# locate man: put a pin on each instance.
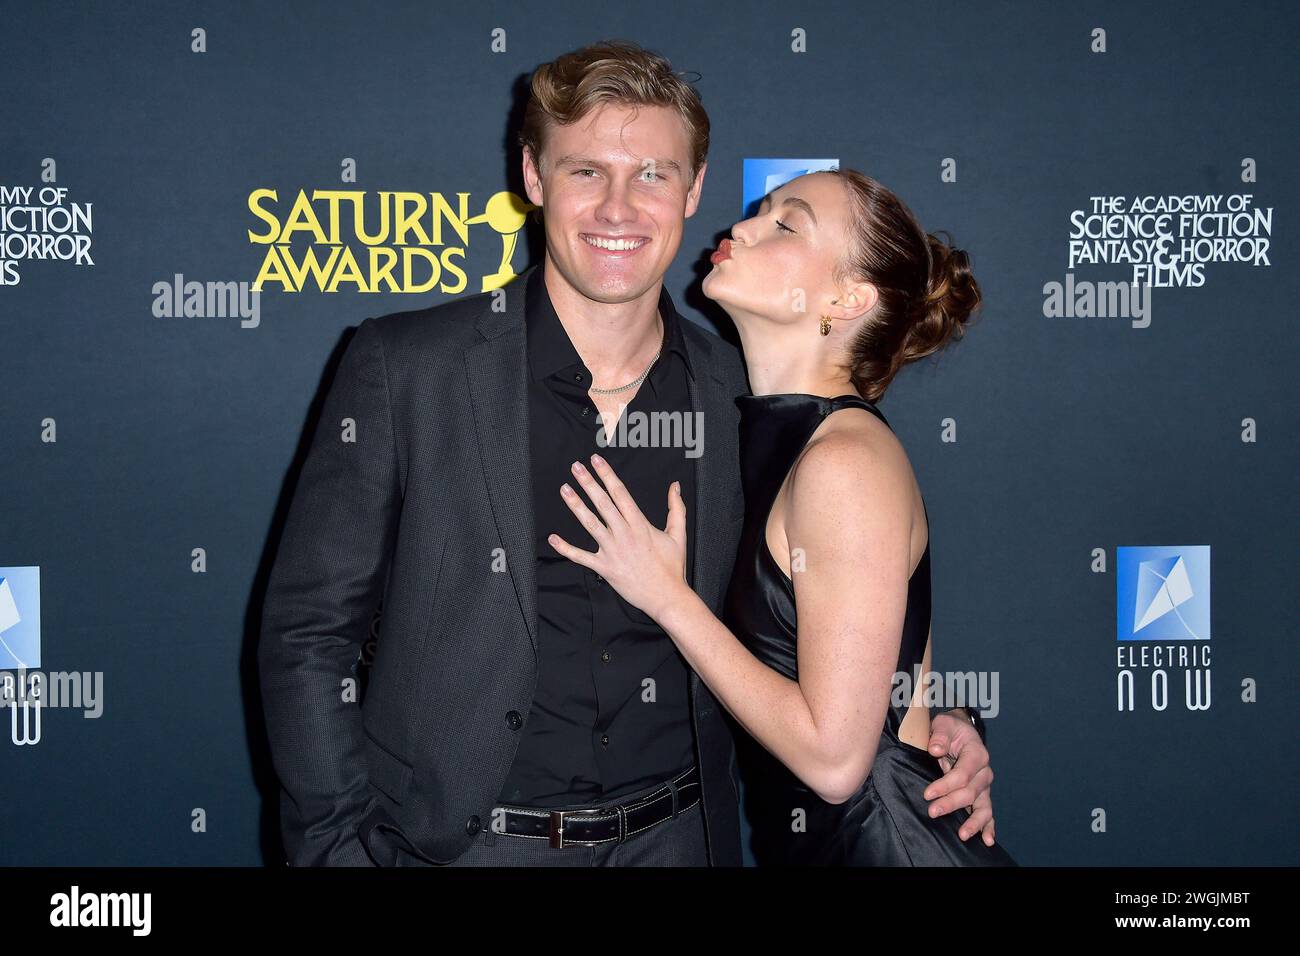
(519, 712)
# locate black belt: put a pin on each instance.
(613, 823)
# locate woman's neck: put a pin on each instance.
(778, 364)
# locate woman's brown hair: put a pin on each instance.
(927, 291)
(612, 71)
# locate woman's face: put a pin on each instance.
(779, 264)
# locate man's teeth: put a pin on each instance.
(614, 245)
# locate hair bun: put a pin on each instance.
(950, 298)
(926, 291)
(952, 287)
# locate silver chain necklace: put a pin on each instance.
(632, 384)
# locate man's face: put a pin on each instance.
(615, 189)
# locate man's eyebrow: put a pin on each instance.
(572, 160)
(789, 201)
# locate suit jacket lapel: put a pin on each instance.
(714, 477)
(709, 515)
(498, 385)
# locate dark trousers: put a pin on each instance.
(676, 841)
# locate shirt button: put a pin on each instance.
(513, 720)
(604, 740)
(584, 410)
(577, 376)
(599, 579)
(472, 825)
(604, 656)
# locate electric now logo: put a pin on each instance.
(103, 909)
(1163, 594)
(760, 176)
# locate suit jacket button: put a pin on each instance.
(513, 720)
(472, 825)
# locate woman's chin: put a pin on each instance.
(717, 291)
(712, 290)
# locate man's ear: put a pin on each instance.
(693, 197)
(532, 178)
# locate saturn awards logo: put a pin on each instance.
(329, 240)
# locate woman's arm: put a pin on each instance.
(850, 512)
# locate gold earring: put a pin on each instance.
(826, 325)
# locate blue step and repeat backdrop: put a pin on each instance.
(1109, 455)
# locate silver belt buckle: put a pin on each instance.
(557, 829)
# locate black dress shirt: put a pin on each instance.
(611, 711)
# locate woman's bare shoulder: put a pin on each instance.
(852, 447)
(853, 483)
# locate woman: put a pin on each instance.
(833, 287)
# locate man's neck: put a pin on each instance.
(616, 340)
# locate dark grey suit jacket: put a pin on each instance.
(414, 511)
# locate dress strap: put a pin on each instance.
(850, 401)
(856, 401)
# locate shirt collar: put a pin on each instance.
(549, 347)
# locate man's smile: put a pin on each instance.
(614, 246)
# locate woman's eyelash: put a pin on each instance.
(781, 225)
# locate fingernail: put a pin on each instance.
(597, 460)
(565, 489)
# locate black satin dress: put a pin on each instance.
(886, 822)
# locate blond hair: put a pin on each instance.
(612, 71)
